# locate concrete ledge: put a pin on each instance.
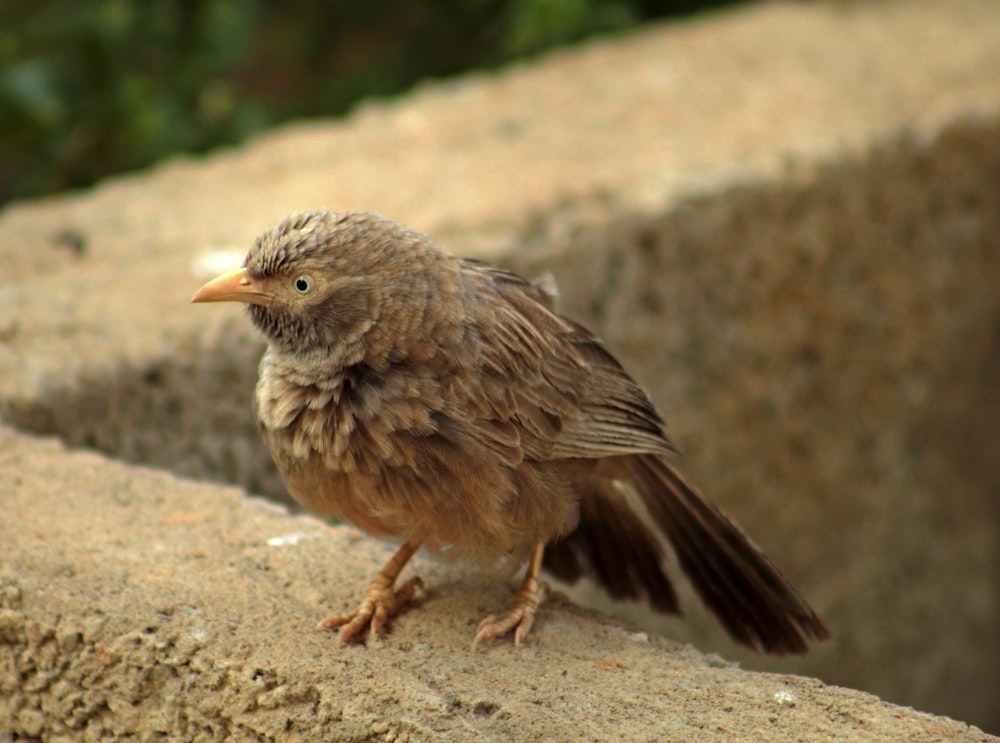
(783, 219)
(195, 622)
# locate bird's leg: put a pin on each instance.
(381, 601)
(522, 612)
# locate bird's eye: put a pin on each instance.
(303, 284)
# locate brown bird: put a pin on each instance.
(446, 403)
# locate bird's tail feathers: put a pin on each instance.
(614, 546)
(749, 595)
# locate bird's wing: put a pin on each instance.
(551, 378)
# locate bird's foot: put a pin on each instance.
(380, 603)
(519, 618)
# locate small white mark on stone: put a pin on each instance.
(288, 539)
(784, 696)
(638, 637)
(209, 263)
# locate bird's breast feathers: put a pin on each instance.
(348, 422)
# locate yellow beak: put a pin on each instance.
(233, 286)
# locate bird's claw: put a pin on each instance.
(380, 603)
(519, 617)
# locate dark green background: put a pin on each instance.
(93, 87)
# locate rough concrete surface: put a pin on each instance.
(784, 221)
(195, 623)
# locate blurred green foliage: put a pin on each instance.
(92, 87)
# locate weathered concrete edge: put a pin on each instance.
(106, 633)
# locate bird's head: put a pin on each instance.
(321, 281)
